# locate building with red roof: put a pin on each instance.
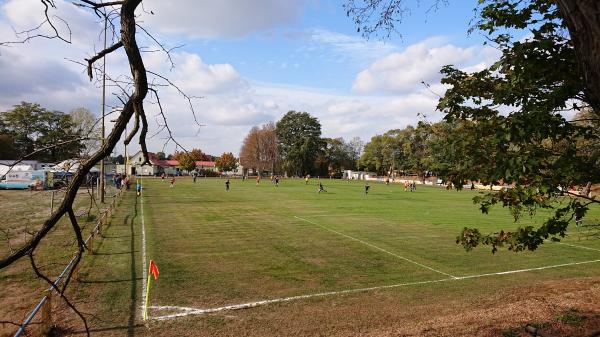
(158, 166)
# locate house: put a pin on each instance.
(358, 175)
(237, 171)
(158, 166)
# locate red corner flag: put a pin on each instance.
(153, 269)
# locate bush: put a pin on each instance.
(208, 173)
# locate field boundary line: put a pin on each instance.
(577, 246)
(188, 311)
(144, 275)
(516, 271)
(378, 248)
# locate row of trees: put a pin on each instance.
(406, 150)
(294, 145)
(187, 159)
(50, 136)
(194, 153)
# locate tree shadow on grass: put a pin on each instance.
(133, 281)
(107, 281)
(117, 253)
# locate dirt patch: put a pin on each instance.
(563, 308)
(544, 305)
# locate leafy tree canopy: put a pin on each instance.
(299, 137)
(186, 161)
(512, 124)
(506, 124)
(45, 135)
(226, 162)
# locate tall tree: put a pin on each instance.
(198, 155)
(378, 154)
(7, 149)
(269, 147)
(186, 161)
(85, 123)
(299, 136)
(250, 150)
(356, 145)
(338, 155)
(227, 162)
(50, 135)
(259, 149)
(122, 17)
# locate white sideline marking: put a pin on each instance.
(577, 246)
(144, 275)
(378, 248)
(187, 311)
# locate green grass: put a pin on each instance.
(260, 242)
(217, 248)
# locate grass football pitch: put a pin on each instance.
(345, 261)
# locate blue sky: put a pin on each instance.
(251, 62)
(288, 54)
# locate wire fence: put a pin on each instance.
(45, 304)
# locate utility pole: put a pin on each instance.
(102, 173)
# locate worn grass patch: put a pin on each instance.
(216, 248)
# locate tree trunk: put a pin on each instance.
(582, 18)
(135, 102)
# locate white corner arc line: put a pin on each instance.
(187, 311)
(144, 275)
(378, 248)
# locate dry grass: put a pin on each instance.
(216, 248)
(23, 212)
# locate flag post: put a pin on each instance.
(146, 302)
(152, 271)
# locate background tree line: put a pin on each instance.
(31, 130)
(294, 146)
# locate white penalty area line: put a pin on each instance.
(378, 248)
(187, 311)
(144, 271)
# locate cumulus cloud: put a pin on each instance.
(73, 23)
(402, 72)
(213, 19)
(200, 78)
(231, 103)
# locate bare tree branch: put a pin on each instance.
(100, 55)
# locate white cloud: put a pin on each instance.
(232, 104)
(402, 72)
(225, 18)
(201, 78)
(351, 47)
(340, 48)
(72, 22)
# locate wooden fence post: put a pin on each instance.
(47, 314)
(52, 203)
(90, 245)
